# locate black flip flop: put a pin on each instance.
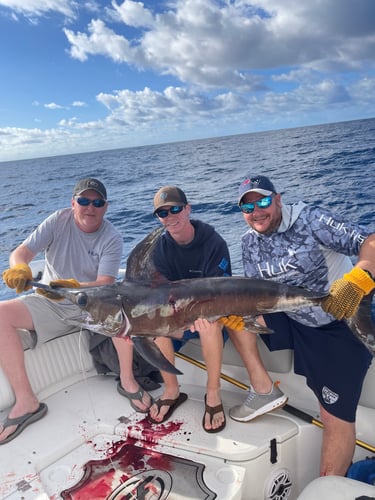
(23, 421)
(172, 403)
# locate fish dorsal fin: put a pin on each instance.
(140, 263)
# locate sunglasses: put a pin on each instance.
(164, 212)
(248, 208)
(85, 202)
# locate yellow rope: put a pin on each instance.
(240, 385)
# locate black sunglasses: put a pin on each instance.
(85, 202)
(164, 212)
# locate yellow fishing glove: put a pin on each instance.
(236, 323)
(17, 277)
(69, 283)
(346, 293)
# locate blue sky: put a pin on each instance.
(81, 76)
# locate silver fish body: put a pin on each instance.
(138, 308)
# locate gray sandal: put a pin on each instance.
(23, 421)
(134, 396)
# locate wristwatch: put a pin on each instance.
(368, 272)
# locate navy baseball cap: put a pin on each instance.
(256, 184)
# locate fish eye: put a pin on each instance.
(82, 299)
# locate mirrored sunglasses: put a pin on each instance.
(85, 202)
(164, 212)
(248, 208)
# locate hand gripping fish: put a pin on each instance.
(146, 305)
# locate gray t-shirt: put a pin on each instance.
(72, 253)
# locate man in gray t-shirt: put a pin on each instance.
(81, 248)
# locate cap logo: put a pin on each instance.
(163, 196)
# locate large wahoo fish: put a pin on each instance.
(145, 305)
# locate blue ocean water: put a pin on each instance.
(329, 165)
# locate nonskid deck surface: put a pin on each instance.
(90, 422)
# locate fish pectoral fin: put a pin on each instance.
(252, 326)
(151, 353)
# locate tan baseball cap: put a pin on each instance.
(169, 195)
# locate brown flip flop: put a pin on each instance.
(172, 403)
(212, 410)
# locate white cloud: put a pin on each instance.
(100, 41)
(216, 45)
(15, 136)
(134, 14)
(53, 105)
(35, 8)
(68, 123)
(174, 104)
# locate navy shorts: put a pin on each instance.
(331, 358)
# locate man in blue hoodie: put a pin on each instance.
(190, 249)
(308, 247)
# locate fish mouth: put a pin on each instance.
(106, 318)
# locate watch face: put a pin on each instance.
(368, 272)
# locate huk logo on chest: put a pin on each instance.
(282, 267)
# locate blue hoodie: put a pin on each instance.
(206, 256)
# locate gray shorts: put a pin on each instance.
(52, 319)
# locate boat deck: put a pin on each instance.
(93, 446)
(90, 422)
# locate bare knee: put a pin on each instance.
(14, 314)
